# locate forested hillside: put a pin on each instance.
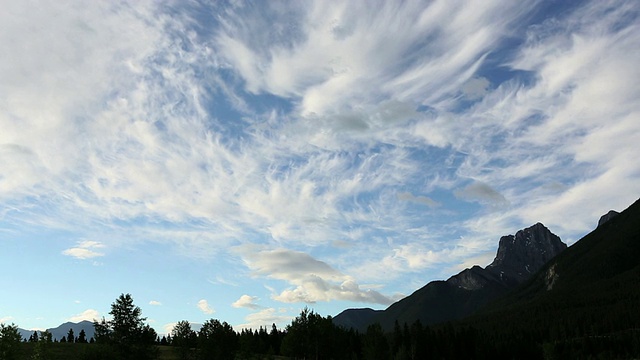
(585, 301)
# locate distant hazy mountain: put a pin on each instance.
(519, 256)
(25, 333)
(63, 330)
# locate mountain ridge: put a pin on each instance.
(518, 257)
(581, 304)
(63, 329)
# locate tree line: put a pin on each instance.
(312, 336)
(70, 338)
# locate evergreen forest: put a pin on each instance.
(312, 336)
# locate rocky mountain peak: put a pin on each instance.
(519, 257)
(608, 216)
(524, 253)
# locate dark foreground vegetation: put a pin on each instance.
(311, 336)
(584, 304)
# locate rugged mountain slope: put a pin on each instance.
(518, 257)
(608, 216)
(600, 271)
(355, 318)
(583, 303)
(521, 255)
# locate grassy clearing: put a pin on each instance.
(65, 351)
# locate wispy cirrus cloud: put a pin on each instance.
(316, 126)
(547, 158)
(140, 149)
(298, 65)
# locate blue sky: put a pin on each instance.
(240, 161)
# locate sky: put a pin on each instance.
(242, 160)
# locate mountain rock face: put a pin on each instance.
(608, 216)
(471, 279)
(525, 253)
(517, 259)
(519, 256)
(593, 285)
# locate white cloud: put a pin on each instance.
(363, 56)
(246, 301)
(203, 305)
(50, 83)
(169, 327)
(155, 303)
(5, 319)
(414, 257)
(85, 250)
(265, 318)
(565, 145)
(87, 315)
(313, 280)
(311, 179)
(81, 253)
(102, 129)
